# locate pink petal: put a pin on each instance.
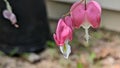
(68, 21)
(10, 16)
(13, 19)
(98, 6)
(93, 13)
(77, 14)
(59, 29)
(7, 14)
(75, 5)
(57, 41)
(63, 32)
(70, 35)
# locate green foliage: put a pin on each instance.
(13, 52)
(2, 53)
(92, 57)
(25, 55)
(79, 65)
(51, 44)
(98, 35)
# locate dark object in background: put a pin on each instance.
(33, 31)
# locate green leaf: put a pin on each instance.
(14, 51)
(25, 55)
(92, 56)
(98, 35)
(79, 65)
(2, 53)
(51, 44)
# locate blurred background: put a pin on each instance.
(110, 16)
(103, 50)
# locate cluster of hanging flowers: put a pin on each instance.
(82, 14)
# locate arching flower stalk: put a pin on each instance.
(86, 15)
(63, 35)
(8, 14)
(81, 14)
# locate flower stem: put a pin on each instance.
(8, 5)
(68, 13)
(85, 5)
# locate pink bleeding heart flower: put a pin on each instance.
(77, 13)
(86, 15)
(63, 31)
(10, 16)
(63, 35)
(92, 14)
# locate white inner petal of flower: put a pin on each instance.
(86, 25)
(66, 50)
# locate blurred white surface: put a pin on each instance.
(107, 4)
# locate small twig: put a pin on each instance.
(66, 14)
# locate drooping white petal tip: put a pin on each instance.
(86, 26)
(65, 50)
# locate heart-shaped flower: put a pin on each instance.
(91, 12)
(86, 15)
(63, 35)
(63, 31)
